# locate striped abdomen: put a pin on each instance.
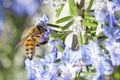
(30, 47)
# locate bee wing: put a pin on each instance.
(22, 41)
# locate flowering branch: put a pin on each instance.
(79, 50)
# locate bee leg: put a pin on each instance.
(42, 43)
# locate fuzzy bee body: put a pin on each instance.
(33, 39)
(30, 47)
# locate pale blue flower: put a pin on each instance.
(34, 69)
(101, 11)
(69, 61)
(66, 77)
(25, 7)
(104, 11)
(90, 52)
(98, 77)
(113, 43)
(114, 51)
(101, 15)
(111, 8)
(92, 55)
(54, 48)
(112, 33)
(54, 45)
(49, 58)
(106, 31)
(117, 3)
(45, 69)
(54, 42)
(102, 67)
(51, 68)
(85, 55)
(115, 33)
(43, 22)
(50, 73)
(112, 18)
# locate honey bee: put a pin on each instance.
(32, 39)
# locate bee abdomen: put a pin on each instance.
(30, 48)
(29, 45)
(30, 53)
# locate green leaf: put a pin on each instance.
(59, 10)
(55, 34)
(90, 18)
(89, 6)
(65, 34)
(92, 73)
(53, 25)
(64, 19)
(91, 24)
(73, 8)
(60, 47)
(92, 32)
(61, 35)
(67, 25)
(39, 56)
(80, 40)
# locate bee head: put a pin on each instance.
(41, 28)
